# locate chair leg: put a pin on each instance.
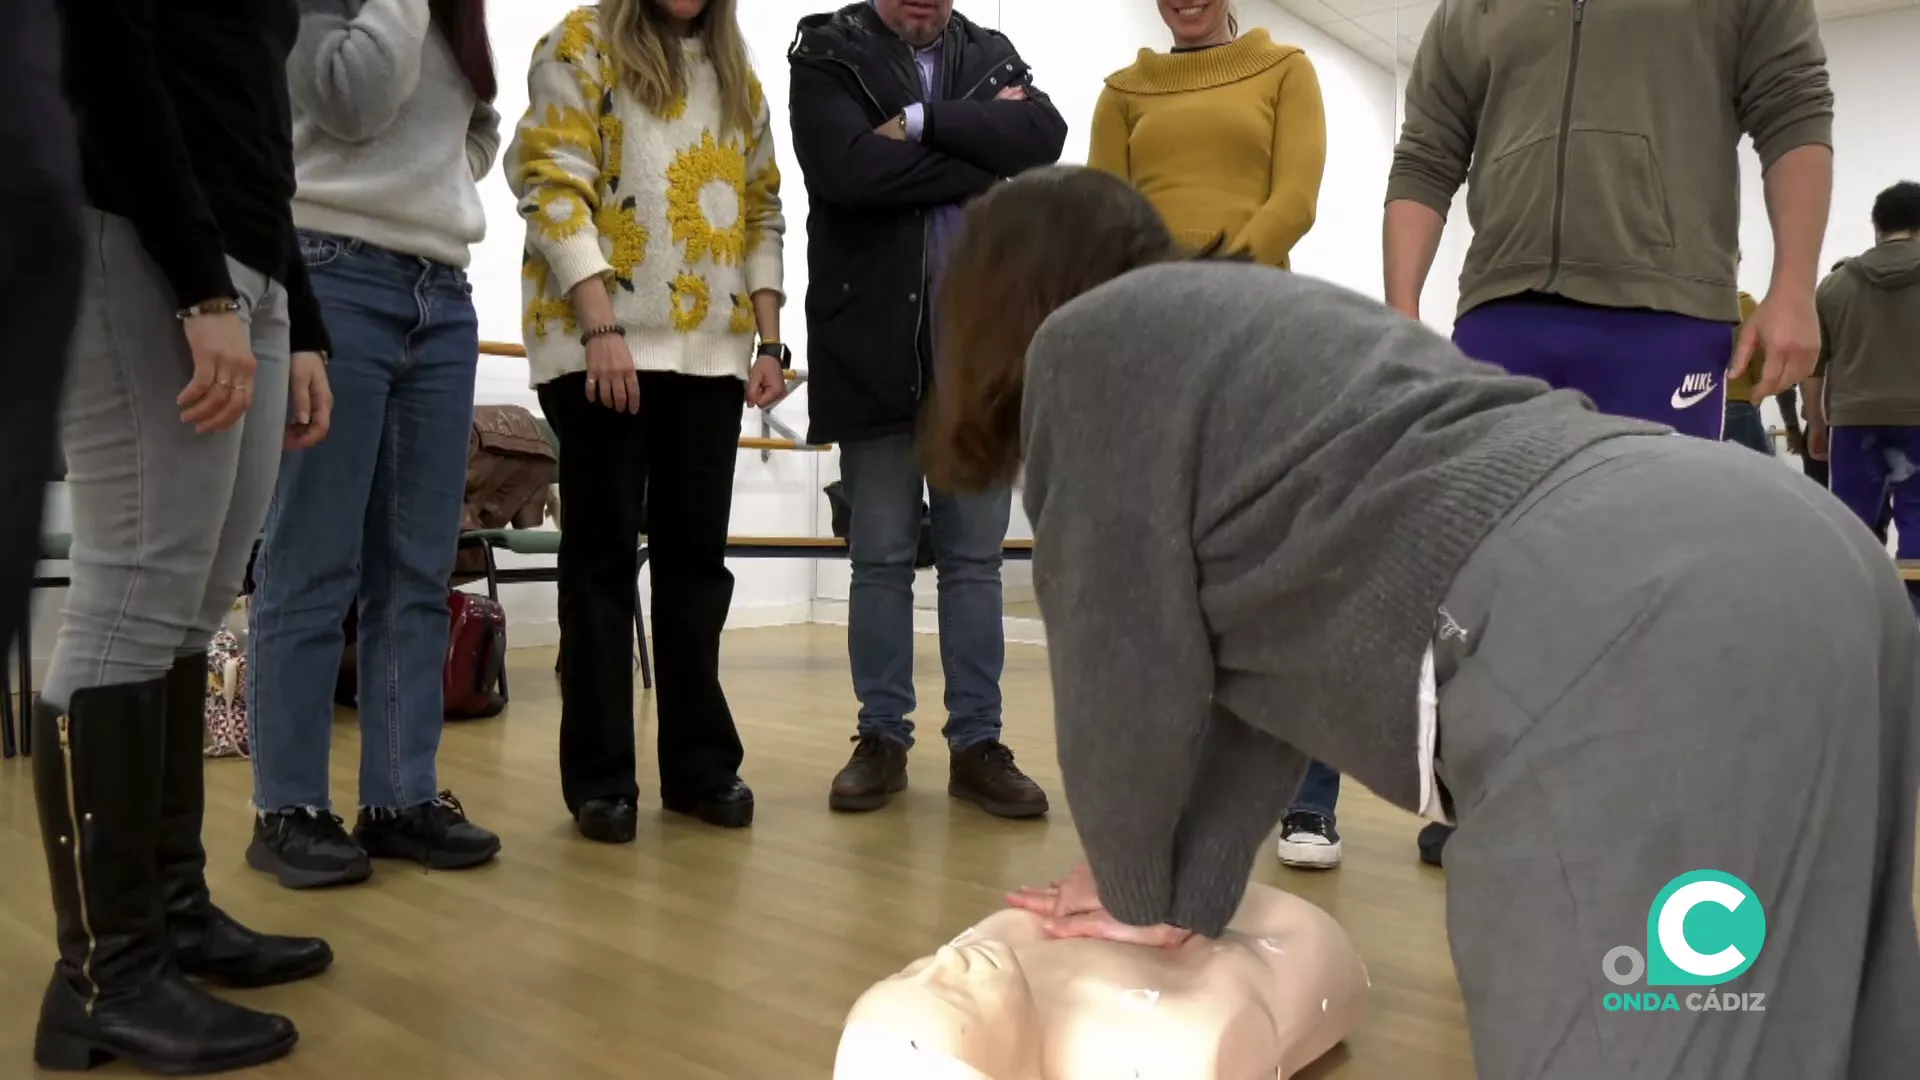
(7, 747)
(640, 623)
(493, 594)
(25, 645)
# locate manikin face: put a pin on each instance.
(968, 1004)
(1195, 22)
(918, 22)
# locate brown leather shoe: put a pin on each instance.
(873, 775)
(984, 774)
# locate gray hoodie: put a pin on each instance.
(1870, 337)
(1250, 491)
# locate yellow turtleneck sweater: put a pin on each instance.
(1228, 142)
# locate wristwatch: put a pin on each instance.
(778, 352)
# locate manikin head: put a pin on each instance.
(964, 1013)
(919, 23)
(1001, 1002)
(1199, 22)
(1896, 213)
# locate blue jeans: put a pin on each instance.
(1319, 790)
(371, 514)
(884, 485)
(1745, 426)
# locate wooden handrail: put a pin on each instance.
(519, 352)
(756, 443)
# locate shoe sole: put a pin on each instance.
(430, 857)
(865, 801)
(727, 816)
(61, 1052)
(1011, 811)
(624, 832)
(1309, 856)
(263, 859)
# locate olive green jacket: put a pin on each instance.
(1599, 141)
(1869, 326)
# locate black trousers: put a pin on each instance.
(39, 283)
(676, 458)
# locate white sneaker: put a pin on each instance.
(1309, 841)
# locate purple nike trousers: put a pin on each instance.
(1650, 365)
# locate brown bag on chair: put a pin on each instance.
(509, 470)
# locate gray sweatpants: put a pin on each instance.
(1679, 655)
(163, 519)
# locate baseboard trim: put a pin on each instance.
(1019, 631)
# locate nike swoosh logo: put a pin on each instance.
(1682, 401)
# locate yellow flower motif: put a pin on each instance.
(558, 211)
(691, 301)
(762, 190)
(708, 162)
(756, 97)
(613, 143)
(619, 224)
(674, 109)
(543, 308)
(743, 322)
(579, 35)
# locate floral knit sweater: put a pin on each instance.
(679, 213)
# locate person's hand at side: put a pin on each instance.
(1011, 93)
(1818, 447)
(309, 401)
(766, 383)
(1786, 331)
(611, 379)
(221, 390)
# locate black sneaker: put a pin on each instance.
(1433, 842)
(306, 849)
(437, 835)
(1308, 841)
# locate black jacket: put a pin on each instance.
(869, 343)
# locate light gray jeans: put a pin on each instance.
(163, 519)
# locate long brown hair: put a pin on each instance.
(464, 24)
(1026, 248)
(638, 40)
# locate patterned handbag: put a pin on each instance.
(226, 697)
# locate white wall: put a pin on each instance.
(1876, 78)
(1876, 81)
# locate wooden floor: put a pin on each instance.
(698, 954)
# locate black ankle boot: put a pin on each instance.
(207, 942)
(116, 991)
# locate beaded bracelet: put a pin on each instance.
(223, 306)
(602, 331)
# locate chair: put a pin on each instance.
(546, 542)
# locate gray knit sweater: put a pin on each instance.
(1250, 491)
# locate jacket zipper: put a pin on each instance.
(79, 866)
(1560, 151)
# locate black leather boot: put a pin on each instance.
(207, 942)
(116, 990)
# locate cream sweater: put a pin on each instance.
(680, 216)
(388, 138)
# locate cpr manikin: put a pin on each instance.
(1280, 988)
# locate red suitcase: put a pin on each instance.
(476, 656)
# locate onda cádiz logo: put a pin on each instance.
(1705, 929)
